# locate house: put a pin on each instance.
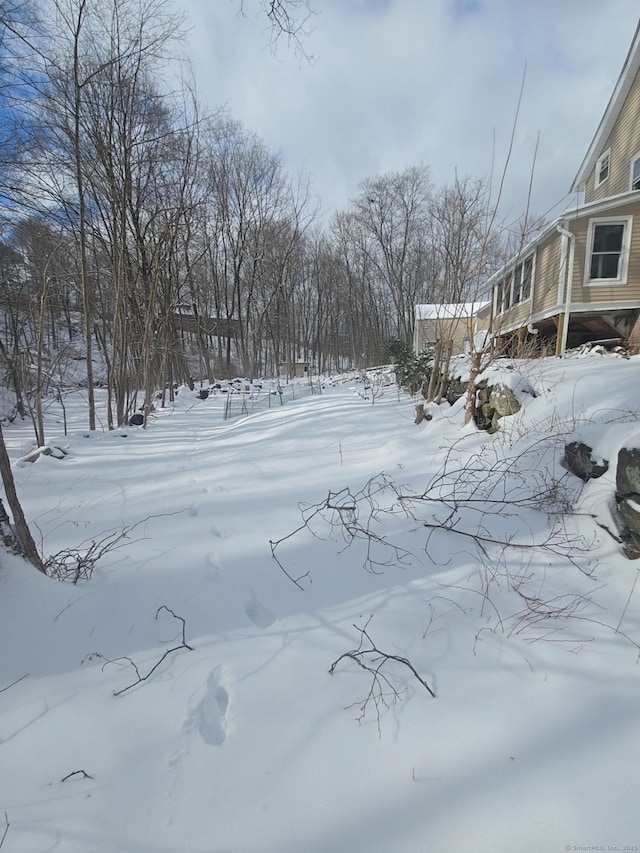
(294, 369)
(455, 322)
(578, 281)
(187, 319)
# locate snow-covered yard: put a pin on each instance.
(244, 742)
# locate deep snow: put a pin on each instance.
(246, 743)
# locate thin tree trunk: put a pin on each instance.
(27, 547)
(84, 266)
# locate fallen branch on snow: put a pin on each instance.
(6, 829)
(13, 683)
(76, 773)
(372, 660)
(140, 678)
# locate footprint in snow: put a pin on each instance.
(260, 615)
(210, 715)
(213, 567)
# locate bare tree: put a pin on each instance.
(463, 256)
(482, 354)
(256, 222)
(19, 33)
(102, 112)
(367, 313)
(390, 215)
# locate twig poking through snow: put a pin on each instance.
(13, 683)
(76, 773)
(141, 678)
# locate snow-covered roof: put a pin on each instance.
(450, 311)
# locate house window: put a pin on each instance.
(602, 167)
(507, 292)
(608, 250)
(635, 173)
(516, 286)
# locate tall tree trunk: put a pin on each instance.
(84, 266)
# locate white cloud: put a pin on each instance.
(394, 83)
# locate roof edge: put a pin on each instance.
(612, 111)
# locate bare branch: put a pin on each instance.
(372, 660)
(353, 516)
(75, 564)
(288, 18)
(82, 773)
(180, 618)
(628, 601)
(17, 681)
(140, 678)
(273, 546)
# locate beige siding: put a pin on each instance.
(586, 294)
(624, 141)
(484, 316)
(547, 272)
(444, 329)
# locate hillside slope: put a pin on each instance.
(466, 564)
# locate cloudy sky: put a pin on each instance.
(397, 83)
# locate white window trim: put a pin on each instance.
(623, 268)
(510, 272)
(604, 154)
(508, 289)
(634, 160)
(534, 264)
(531, 255)
(498, 297)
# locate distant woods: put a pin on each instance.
(154, 243)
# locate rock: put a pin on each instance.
(628, 472)
(628, 499)
(456, 389)
(483, 392)
(421, 415)
(579, 460)
(53, 450)
(492, 403)
(504, 401)
(629, 510)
